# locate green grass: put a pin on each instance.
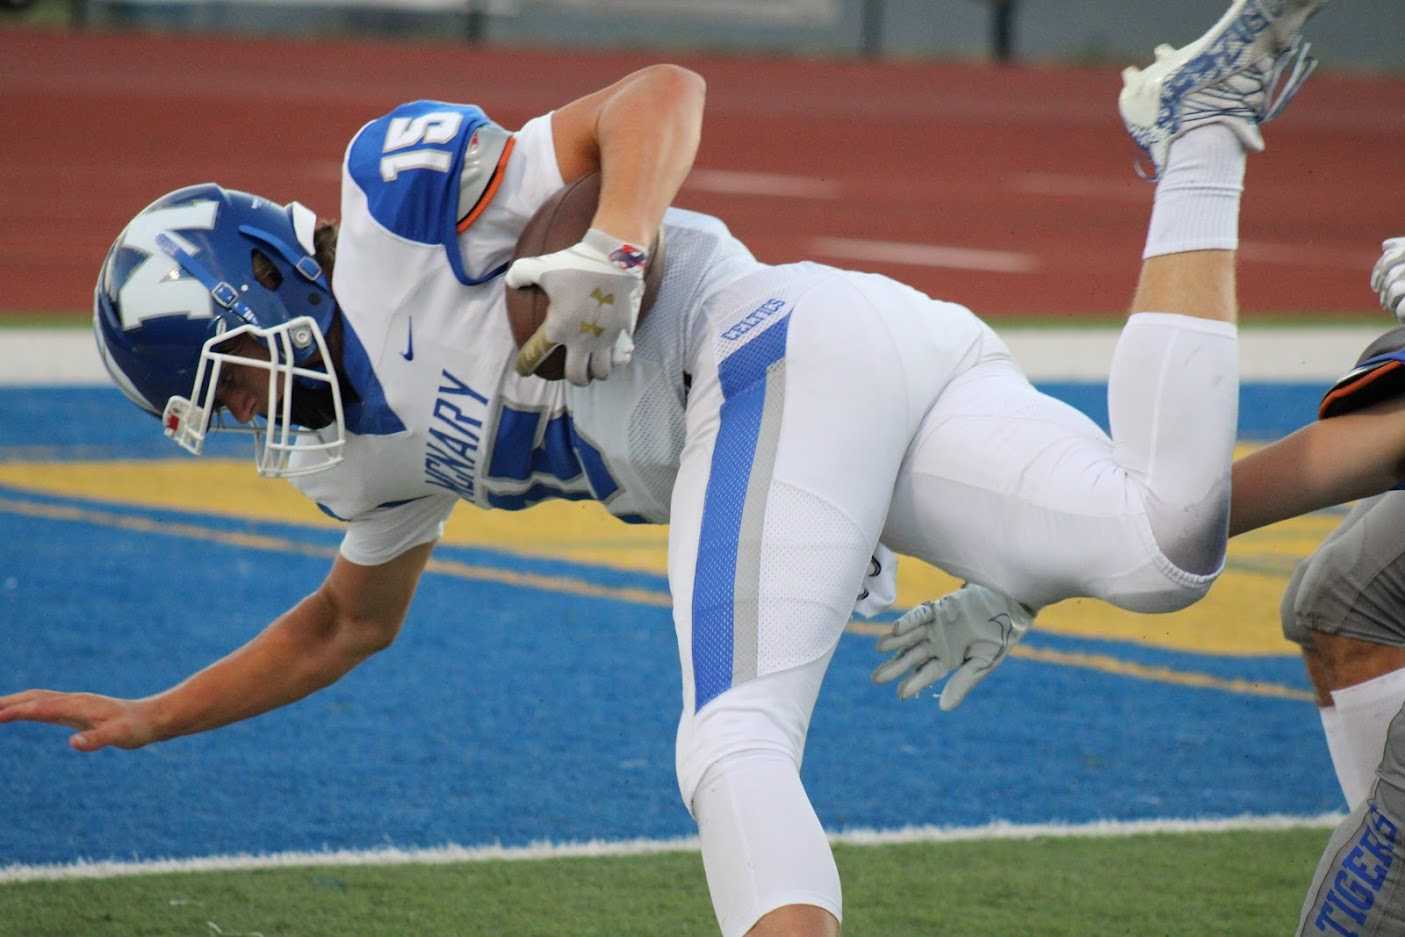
(1237, 884)
(43, 14)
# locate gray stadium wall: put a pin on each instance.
(1351, 34)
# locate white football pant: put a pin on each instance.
(829, 409)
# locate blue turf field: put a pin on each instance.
(510, 715)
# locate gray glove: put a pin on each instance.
(970, 631)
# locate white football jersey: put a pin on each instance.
(434, 196)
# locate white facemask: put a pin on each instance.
(281, 448)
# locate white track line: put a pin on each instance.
(1088, 187)
(728, 182)
(926, 255)
(1306, 255)
(998, 830)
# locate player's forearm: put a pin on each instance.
(302, 651)
(1325, 463)
(648, 134)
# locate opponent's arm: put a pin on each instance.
(1328, 462)
(641, 133)
(1348, 456)
(356, 611)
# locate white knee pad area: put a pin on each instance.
(762, 845)
(1173, 403)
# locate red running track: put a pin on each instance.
(1029, 163)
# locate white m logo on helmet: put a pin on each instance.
(158, 287)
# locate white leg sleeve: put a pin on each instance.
(1363, 715)
(762, 845)
(1355, 784)
(1013, 489)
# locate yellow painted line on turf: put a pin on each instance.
(64, 512)
(576, 531)
(580, 587)
(562, 584)
(1239, 616)
(1106, 663)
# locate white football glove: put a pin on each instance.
(1388, 277)
(594, 289)
(970, 631)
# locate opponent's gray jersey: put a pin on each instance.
(440, 414)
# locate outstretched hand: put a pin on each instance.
(100, 720)
(970, 631)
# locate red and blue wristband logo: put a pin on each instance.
(627, 257)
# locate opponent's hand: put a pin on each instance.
(100, 720)
(970, 631)
(594, 289)
(1388, 277)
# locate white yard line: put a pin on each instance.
(440, 855)
(729, 182)
(1266, 354)
(68, 357)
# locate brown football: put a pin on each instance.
(561, 221)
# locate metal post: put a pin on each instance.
(871, 28)
(475, 25)
(1002, 18)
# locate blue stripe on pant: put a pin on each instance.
(745, 408)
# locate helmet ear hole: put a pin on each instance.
(264, 270)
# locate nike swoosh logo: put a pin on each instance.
(409, 353)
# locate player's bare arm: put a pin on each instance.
(641, 133)
(1328, 462)
(356, 612)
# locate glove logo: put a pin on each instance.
(591, 328)
(1007, 632)
(602, 298)
(627, 257)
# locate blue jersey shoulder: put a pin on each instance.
(408, 163)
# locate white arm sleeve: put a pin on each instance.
(385, 533)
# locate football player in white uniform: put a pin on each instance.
(783, 419)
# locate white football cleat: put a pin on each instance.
(1241, 73)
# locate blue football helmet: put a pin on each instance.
(179, 285)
